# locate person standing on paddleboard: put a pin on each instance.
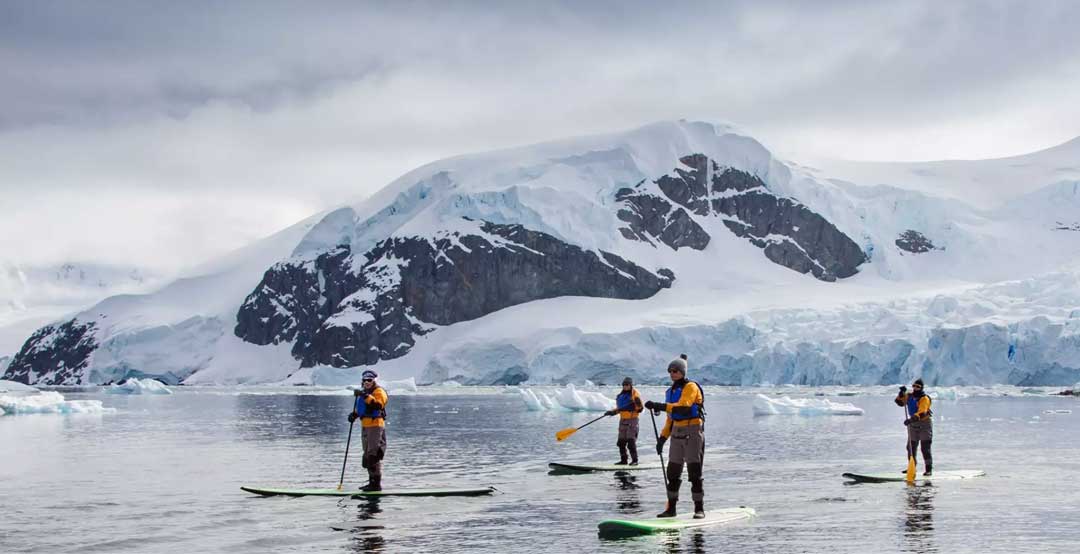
(370, 408)
(920, 429)
(628, 406)
(685, 407)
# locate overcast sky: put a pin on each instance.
(164, 133)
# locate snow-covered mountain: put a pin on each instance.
(596, 257)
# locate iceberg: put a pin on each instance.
(536, 401)
(765, 406)
(138, 386)
(583, 401)
(49, 402)
(569, 399)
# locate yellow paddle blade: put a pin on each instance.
(561, 435)
(911, 469)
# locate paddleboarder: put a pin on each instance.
(684, 403)
(920, 429)
(628, 406)
(369, 407)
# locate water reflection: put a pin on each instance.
(627, 499)
(674, 543)
(366, 535)
(366, 541)
(918, 531)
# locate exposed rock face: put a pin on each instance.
(652, 218)
(344, 310)
(55, 355)
(914, 242)
(789, 233)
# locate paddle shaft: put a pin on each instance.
(663, 466)
(348, 441)
(589, 423)
(909, 476)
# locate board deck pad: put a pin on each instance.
(945, 475)
(587, 467)
(364, 494)
(622, 527)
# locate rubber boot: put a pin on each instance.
(672, 498)
(374, 484)
(632, 446)
(622, 454)
(699, 509)
(929, 470)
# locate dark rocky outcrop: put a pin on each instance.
(650, 218)
(55, 354)
(345, 311)
(789, 233)
(914, 242)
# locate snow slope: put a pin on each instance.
(985, 184)
(994, 297)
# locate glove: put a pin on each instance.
(610, 412)
(656, 406)
(903, 389)
(660, 445)
(352, 417)
(907, 421)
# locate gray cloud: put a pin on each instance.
(192, 127)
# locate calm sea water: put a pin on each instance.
(163, 473)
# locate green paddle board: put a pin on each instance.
(899, 477)
(362, 494)
(585, 468)
(623, 527)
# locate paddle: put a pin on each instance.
(910, 477)
(663, 466)
(562, 435)
(347, 442)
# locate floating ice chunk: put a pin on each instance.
(404, 385)
(49, 402)
(763, 406)
(139, 386)
(583, 401)
(948, 393)
(14, 386)
(450, 384)
(1057, 411)
(536, 401)
(569, 398)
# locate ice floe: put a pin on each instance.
(49, 402)
(764, 406)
